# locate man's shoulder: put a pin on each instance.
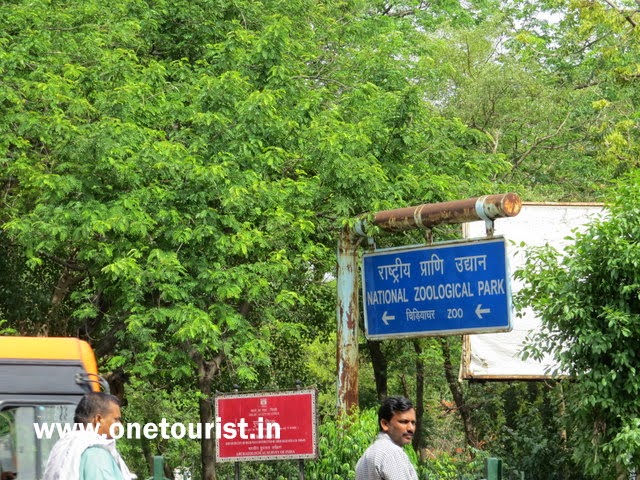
(384, 444)
(384, 460)
(80, 439)
(97, 462)
(97, 452)
(382, 456)
(383, 448)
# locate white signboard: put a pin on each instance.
(497, 356)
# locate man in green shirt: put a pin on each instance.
(89, 451)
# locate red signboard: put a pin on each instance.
(266, 426)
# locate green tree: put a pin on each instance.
(589, 305)
(503, 78)
(180, 170)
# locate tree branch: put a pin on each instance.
(390, 12)
(626, 15)
(539, 141)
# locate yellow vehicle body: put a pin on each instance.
(41, 381)
(37, 349)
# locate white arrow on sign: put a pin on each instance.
(480, 310)
(386, 318)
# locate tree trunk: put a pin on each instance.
(56, 324)
(419, 400)
(379, 362)
(146, 451)
(207, 445)
(206, 371)
(456, 392)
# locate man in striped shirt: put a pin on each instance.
(385, 459)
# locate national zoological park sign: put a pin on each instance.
(448, 288)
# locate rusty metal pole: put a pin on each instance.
(487, 208)
(347, 312)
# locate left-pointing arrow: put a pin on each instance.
(480, 310)
(386, 318)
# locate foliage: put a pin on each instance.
(322, 368)
(24, 296)
(145, 406)
(341, 442)
(462, 464)
(500, 77)
(589, 304)
(5, 330)
(523, 423)
(174, 174)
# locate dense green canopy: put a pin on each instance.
(174, 175)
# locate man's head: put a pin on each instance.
(98, 408)
(397, 418)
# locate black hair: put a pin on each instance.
(390, 406)
(92, 404)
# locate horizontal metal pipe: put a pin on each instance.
(488, 207)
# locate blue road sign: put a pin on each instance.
(448, 288)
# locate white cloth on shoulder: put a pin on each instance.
(64, 459)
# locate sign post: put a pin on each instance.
(449, 288)
(425, 216)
